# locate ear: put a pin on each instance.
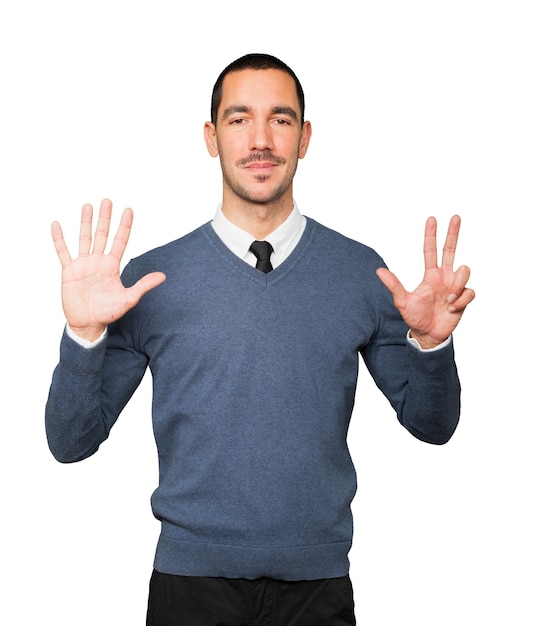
(306, 134)
(210, 139)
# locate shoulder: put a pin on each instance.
(343, 248)
(346, 268)
(180, 253)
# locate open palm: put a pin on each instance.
(93, 295)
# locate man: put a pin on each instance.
(253, 350)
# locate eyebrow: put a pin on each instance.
(277, 110)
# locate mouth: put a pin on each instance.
(261, 161)
(261, 166)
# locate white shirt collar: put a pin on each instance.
(283, 239)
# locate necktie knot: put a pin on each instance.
(262, 251)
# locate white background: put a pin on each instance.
(418, 108)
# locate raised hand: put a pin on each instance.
(433, 310)
(93, 295)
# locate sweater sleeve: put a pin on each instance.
(89, 389)
(422, 386)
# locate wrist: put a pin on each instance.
(88, 334)
(425, 342)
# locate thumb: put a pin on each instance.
(144, 285)
(392, 283)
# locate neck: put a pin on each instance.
(258, 219)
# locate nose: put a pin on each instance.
(261, 136)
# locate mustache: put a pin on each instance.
(261, 155)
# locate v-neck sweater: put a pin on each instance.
(254, 380)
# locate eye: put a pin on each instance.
(282, 121)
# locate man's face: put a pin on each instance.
(258, 135)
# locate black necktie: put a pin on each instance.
(262, 251)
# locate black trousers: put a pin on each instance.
(199, 601)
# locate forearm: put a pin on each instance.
(74, 423)
(431, 406)
(421, 385)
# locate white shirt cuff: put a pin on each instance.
(84, 342)
(415, 343)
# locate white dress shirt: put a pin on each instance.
(283, 239)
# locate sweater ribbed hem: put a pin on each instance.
(185, 558)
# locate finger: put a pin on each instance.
(393, 285)
(449, 248)
(122, 234)
(460, 278)
(143, 285)
(460, 303)
(60, 245)
(430, 247)
(85, 232)
(102, 227)
(456, 290)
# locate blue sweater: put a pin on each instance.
(254, 379)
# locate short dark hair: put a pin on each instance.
(253, 61)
